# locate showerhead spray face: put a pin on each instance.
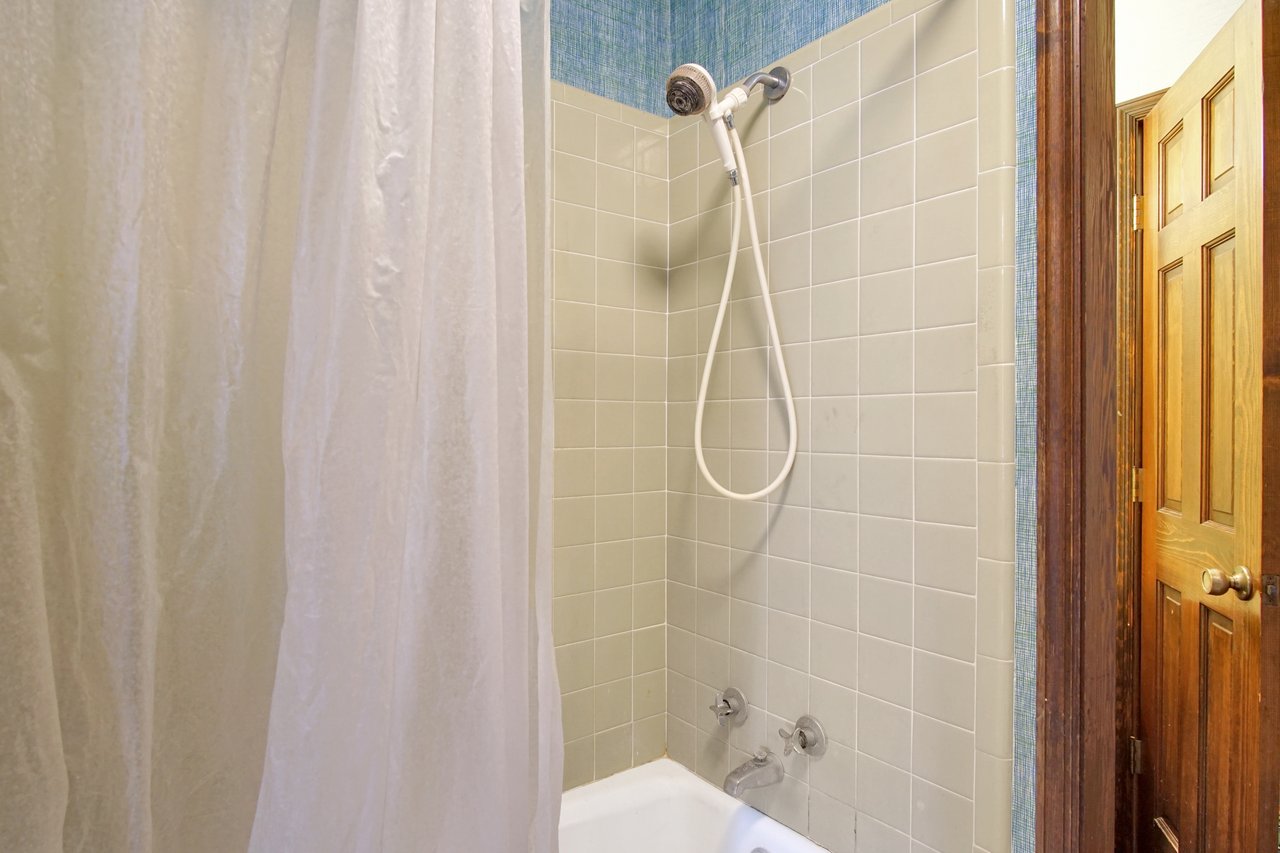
(691, 91)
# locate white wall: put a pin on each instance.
(1157, 39)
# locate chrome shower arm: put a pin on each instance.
(776, 82)
(758, 78)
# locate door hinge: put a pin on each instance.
(1139, 211)
(1135, 756)
(1135, 485)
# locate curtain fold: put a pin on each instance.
(546, 777)
(273, 427)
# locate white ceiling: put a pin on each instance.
(1157, 39)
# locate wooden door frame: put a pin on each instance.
(1080, 680)
(1130, 179)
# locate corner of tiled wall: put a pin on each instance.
(609, 234)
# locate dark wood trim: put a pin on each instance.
(1083, 673)
(1076, 741)
(1129, 183)
(1269, 756)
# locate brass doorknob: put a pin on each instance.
(1216, 582)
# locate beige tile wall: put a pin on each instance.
(609, 232)
(875, 590)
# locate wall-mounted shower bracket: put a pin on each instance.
(776, 83)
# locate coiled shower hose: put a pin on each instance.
(740, 191)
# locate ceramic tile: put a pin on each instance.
(942, 755)
(888, 57)
(907, 348)
(947, 162)
(888, 118)
(940, 818)
(835, 79)
(947, 95)
(946, 31)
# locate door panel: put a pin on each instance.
(1218, 367)
(1172, 167)
(1170, 359)
(1201, 450)
(1220, 134)
(1219, 656)
(1171, 680)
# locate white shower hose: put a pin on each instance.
(739, 192)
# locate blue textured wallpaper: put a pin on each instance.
(1025, 347)
(618, 49)
(732, 38)
(624, 49)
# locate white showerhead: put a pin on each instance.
(690, 90)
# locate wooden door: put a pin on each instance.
(1201, 451)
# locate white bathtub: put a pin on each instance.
(661, 807)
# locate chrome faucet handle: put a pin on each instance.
(729, 707)
(791, 740)
(806, 736)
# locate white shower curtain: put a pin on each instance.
(273, 540)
